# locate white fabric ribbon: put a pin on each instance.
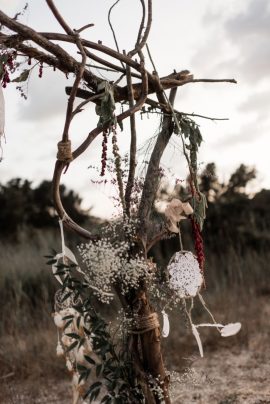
(198, 339)
(225, 331)
(166, 324)
(66, 253)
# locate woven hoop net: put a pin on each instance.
(185, 275)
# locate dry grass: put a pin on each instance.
(237, 291)
(26, 296)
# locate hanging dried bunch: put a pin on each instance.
(104, 152)
(118, 170)
(198, 240)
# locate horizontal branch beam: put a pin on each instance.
(179, 79)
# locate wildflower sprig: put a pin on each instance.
(108, 262)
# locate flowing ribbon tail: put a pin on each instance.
(166, 325)
(69, 254)
(62, 236)
(209, 325)
(198, 339)
(55, 268)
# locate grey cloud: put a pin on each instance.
(240, 41)
(47, 97)
(257, 103)
(249, 132)
(251, 24)
(249, 31)
(252, 63)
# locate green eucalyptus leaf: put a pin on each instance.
(89, 360)
(51, 261)
(68, 317)
(73, 335)
(22, 77)
(72, 346)
(99, 368)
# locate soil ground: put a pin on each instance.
(223, 377)
(232, 372)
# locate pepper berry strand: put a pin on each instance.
(198, 243)
(5, 66)
(104, 153)
(40, 70)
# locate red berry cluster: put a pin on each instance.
(40, 70)
(10, 62)
(5, 79)
(7, 65)
(198, 243)
(104, 153)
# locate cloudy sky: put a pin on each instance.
(212, 39)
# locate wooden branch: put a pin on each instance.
(164, 108)
(79, 75)
(133, 145)
(141, 25)
(59, 166)
(14, 40)
(79, 107)
(121, 93)
(68, 222)
(84, 27)
(69, 112)
(28, 33)
(170, 83)
(40, 56)
(59, 17)
(93, 45)
(152, 178)
(202, 116)
(111, 27)
(148, 27)
(156, 239)
(140, 43)
(64, 61)
(112, 66)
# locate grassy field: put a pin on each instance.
(237, 290)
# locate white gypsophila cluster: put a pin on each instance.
(102, 265)
(109, 263)
(185, 275)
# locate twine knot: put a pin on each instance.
(64, 151)
(142, 324)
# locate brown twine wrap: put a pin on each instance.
(142, 324)
(64, 151)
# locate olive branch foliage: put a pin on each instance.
(114, 370)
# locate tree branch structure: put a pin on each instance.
(21, 42)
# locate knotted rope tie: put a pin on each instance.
(142, 324)
(64, 151)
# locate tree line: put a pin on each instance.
(234, 217)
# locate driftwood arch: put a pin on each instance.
(45, 47)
